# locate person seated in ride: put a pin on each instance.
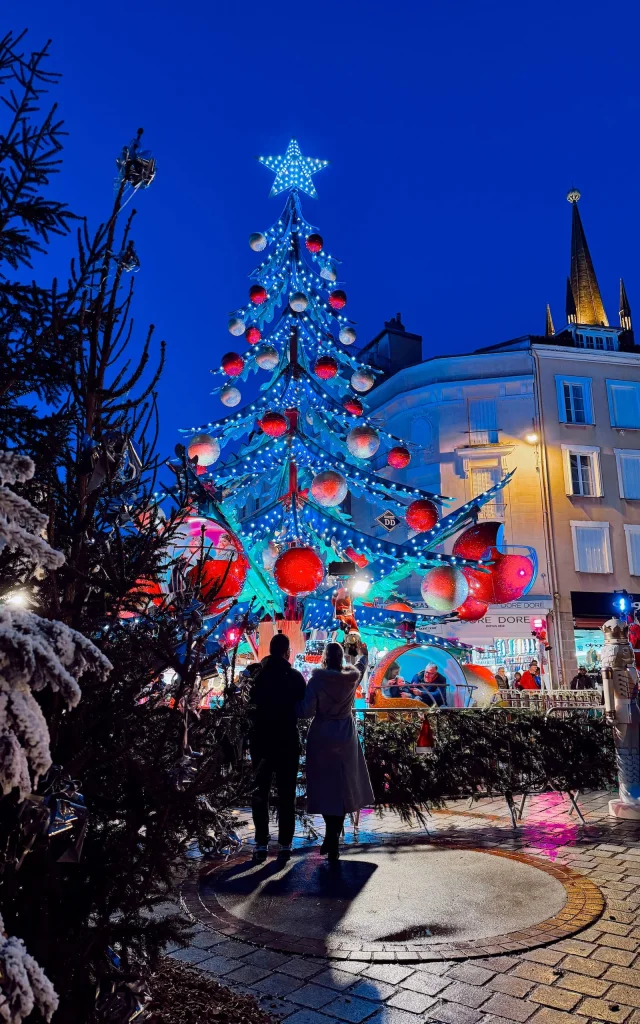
(393, 684)
(431, 686)
(531, 678)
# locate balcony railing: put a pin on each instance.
(488, 435)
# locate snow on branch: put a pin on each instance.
(36, 653)
(21, 525)
(23, 984)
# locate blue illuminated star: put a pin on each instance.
(293, 170)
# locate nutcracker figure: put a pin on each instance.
(620, 680)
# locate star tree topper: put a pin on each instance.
(293, 170)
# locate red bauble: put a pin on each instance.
(422, 515)
(360, 560)
(480, 584)
(477, 541)
(472, 610)
(314, 242)
(354, 406)
(253, 335)
(326, 367)
(219, 580)
(142, 595)
(398, 457)
(512, 574)
(298, 571)
(274, 424)
(337, 299)
(232, 364)
(257, 294)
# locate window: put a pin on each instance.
(483, 423)
(628, 464)
(624, 403)
(610, 345)
(574, 399)
(632, 536)
(582, 474)
(591, 547)
(483, 480)
(582, 470)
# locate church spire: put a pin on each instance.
(625, 308)
(570, 305)
(584, 285)
(549, 328)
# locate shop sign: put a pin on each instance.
(508, 620)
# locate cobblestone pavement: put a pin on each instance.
(594, 976)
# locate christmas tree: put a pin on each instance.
(284, 494)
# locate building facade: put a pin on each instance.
(563, 410)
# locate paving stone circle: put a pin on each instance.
(422, 901)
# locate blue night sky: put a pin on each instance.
(454, 130)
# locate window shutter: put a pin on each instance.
(633, 547)
(625, 406)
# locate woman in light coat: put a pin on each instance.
(337, 776)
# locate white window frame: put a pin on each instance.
(628, 531)
(582, 449)
(585, 382)
(620, 453)
(625, 384)
(587, 524)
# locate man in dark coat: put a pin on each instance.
(274, 743)
(582, 681)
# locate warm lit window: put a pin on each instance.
(628, 464)
(632, 536)
(624, 403)
(581, 465)
(591, 547)
(574, 399)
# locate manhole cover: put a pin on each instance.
(428, 898)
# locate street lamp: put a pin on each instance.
(531, 438)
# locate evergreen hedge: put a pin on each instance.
(489, 752)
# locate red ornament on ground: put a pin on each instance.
(360, 560)
(232, 364)
(338, 299)
(472, 610)
(354, 406)
(325, 367)
(298, 571)
(253, 335)
(398, 457)
(480, 584)
(257, 294)
(477, 541)
(314, 242)
(219, 580)
(512, 574)
(274, 424)
(422, 515)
